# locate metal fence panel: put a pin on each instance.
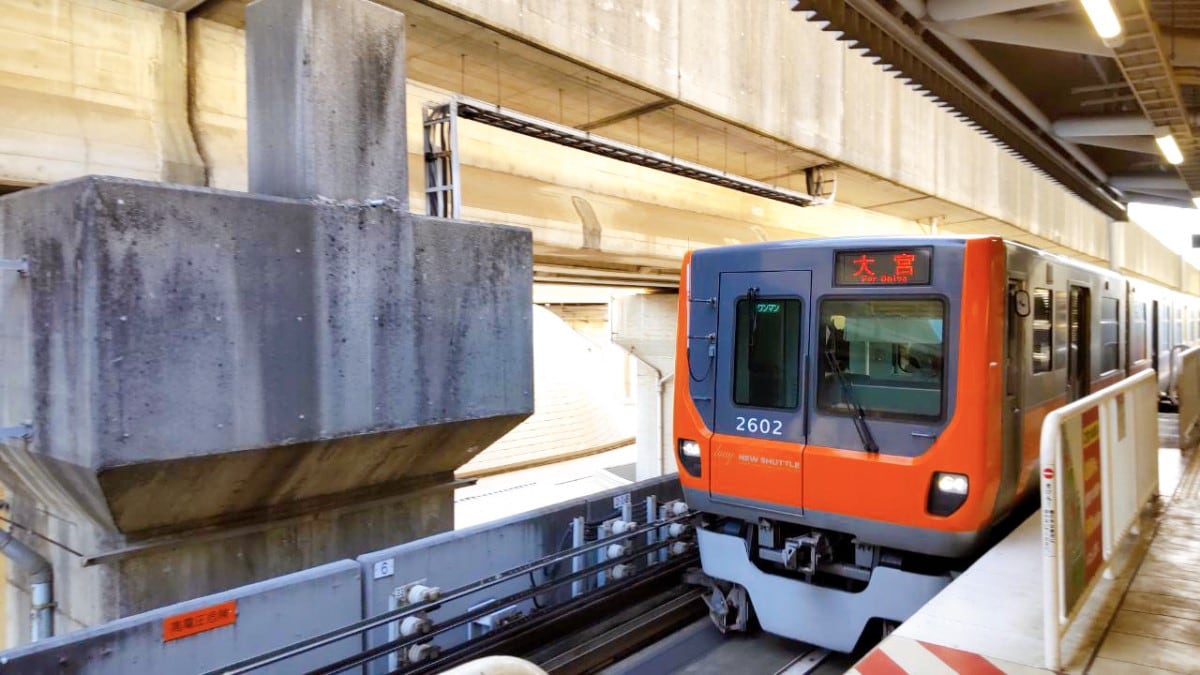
(1099, 466)
(1187, 388)
(209, 632)
(457, 558)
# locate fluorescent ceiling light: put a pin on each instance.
(1168, 147)
(1104, 18)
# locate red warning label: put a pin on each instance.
(199, 621)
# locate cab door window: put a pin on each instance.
(767, 353)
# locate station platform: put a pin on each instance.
(1144, 620)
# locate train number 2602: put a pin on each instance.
(762, 426)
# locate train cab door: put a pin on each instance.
(1015, 359)
(760, 422)
(1078, 343)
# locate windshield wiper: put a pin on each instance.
(752, 298)
(851, 401)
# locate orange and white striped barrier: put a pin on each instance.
(902, 656)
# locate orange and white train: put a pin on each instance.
(854, 417)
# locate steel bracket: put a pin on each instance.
(19, 265)
(24, 431)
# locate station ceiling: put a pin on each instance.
(1085, 110)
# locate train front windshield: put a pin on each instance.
(885, 354)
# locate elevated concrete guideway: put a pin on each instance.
(645, 76)
(834, 98)
(648, 77)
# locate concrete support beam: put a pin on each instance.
(326, 100)
(176, 5)
(217, 83)
(1178, 202)
(957, 10)
(1147, 182)
(1103, 125)
(1181, 198)
(1058, 35)
(1002, 84)
(1055, 34)
(206, 374)
(1142, 144)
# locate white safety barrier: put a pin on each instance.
(1099, 467)
(1187, 393)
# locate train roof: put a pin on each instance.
(836, 242)
(898, 241)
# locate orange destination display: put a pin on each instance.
(892, 267)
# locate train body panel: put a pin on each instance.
(866, 404)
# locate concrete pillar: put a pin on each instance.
(326, 100)
(1116, 244)
(253, 406)
(644, 325)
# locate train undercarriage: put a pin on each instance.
(816, 586)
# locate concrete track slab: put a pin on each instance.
(495, 497)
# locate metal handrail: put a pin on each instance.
(1172, 377)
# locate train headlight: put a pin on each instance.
(947, 493)
(953, 483)
(689, 456)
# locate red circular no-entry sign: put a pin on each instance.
(1048, 473)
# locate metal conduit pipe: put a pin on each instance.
(660, 383)
(41, 583)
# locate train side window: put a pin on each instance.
(1137, 332)
(767, 361)
(1110, 335)
(1043, 330)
